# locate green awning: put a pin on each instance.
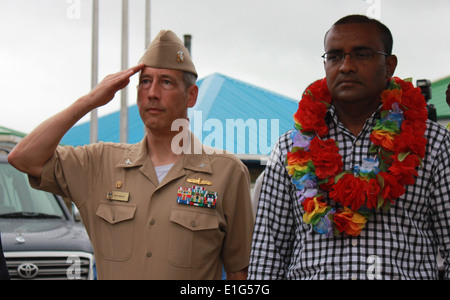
(438, 89)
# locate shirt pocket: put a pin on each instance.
(195, 238)
(116, 230)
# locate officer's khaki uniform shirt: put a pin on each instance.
(150, 235)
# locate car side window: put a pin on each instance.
(16, 195)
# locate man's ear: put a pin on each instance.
(192, 93)
(391, 65)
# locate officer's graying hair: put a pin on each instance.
(189, 79)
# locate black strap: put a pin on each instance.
(4, 275)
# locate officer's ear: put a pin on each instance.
(192, 94)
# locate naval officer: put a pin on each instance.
(150, 212)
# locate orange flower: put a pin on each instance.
(298, 158)
(384, 139)
(349, 222)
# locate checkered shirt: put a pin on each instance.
(401, 243)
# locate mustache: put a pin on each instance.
(152, 105)
(342, 79)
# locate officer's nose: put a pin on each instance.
(153, 91)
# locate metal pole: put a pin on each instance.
(124, 104)
(147, 23)
(187, 42)
(148, 39)
(93, 136)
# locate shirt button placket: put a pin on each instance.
(354, 268)
(149, 253)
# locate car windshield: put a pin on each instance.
(19, 200)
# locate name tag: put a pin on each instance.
(118, 196)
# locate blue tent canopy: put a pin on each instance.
(230, 114)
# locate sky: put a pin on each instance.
(45, 45)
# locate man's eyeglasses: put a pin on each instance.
(357, 55)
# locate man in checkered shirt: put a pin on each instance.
(402, 243)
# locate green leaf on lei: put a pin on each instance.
(403, 156)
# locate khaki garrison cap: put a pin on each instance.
(167, 51)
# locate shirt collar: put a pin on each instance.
(331, 116)
(194, 159)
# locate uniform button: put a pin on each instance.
(193, 224)
(355, 243)
(149, 254)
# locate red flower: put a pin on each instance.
(389, 97)
(408, 141)
(392, 189)
(414, 105)
(350, 191)
(320, 91)
(309, 205)
(326, 158)
(307, 116)
(412, 97)
(312, 109)
(416, 120)
(405, 170)
(327, 185)
(372, 192)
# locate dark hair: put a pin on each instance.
(386, 35)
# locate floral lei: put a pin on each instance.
(316, 166)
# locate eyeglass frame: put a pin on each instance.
(344, 54)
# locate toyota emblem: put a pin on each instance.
(28, 270)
